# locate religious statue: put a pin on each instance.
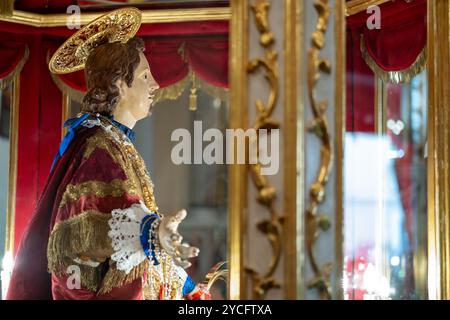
(97, 221)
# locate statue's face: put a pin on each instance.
(140, 96)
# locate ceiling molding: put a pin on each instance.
(148, 16)
(353, 7)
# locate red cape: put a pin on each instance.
(30, 279)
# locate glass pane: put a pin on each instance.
(386, 198)
(199, 188)
(6, 100)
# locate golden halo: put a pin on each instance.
(118, 25)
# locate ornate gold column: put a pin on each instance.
(13, 138)
(293, 139)
(274, 101)
(238, 119)
(266, 193)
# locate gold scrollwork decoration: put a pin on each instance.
(271, 227)
(318, 126)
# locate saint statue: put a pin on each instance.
(97, 232)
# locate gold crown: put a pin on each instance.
(116, 26)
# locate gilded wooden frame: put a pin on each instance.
(148, 16)
(438, 150)
(238, 119)
(293, 146)
(13, 140)
(340, 71)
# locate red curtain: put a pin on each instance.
(39, 131)
(12, 54)
(206, 56)
(40, 116)
(360, 88)
(394, 47)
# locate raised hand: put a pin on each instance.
(170, 239)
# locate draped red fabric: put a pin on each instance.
(39, 132)
(208, 58)
(394, 47)
(173, 48)
(35, 283)
(360, 88)
(402, 36)
(170, 60)
(206, 52)
(166, 62)
(12, 54)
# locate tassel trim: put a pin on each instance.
(86, 232)
(394, 77)
(218, 92)
(116, 278)
(172, 92)
(83, 233)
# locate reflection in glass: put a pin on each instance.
(385, 224)
(6, 98)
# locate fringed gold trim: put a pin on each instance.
(6, 7)
(172, 92)
(116, 278)
(218, 92)
(395, 77)
(4, 82)
(83, 233)
(73, 94)
(86, 232)
(100, 189)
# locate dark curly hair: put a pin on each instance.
(106, 64)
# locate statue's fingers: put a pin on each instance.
(169, 245)
(176, 238)
(182, 263)
(180, 215)
(174, 220)
(185, 251)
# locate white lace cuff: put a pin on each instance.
(125, 234)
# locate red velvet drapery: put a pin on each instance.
(393, 47)
(12, 54)
(40, 117)
(171, 58)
